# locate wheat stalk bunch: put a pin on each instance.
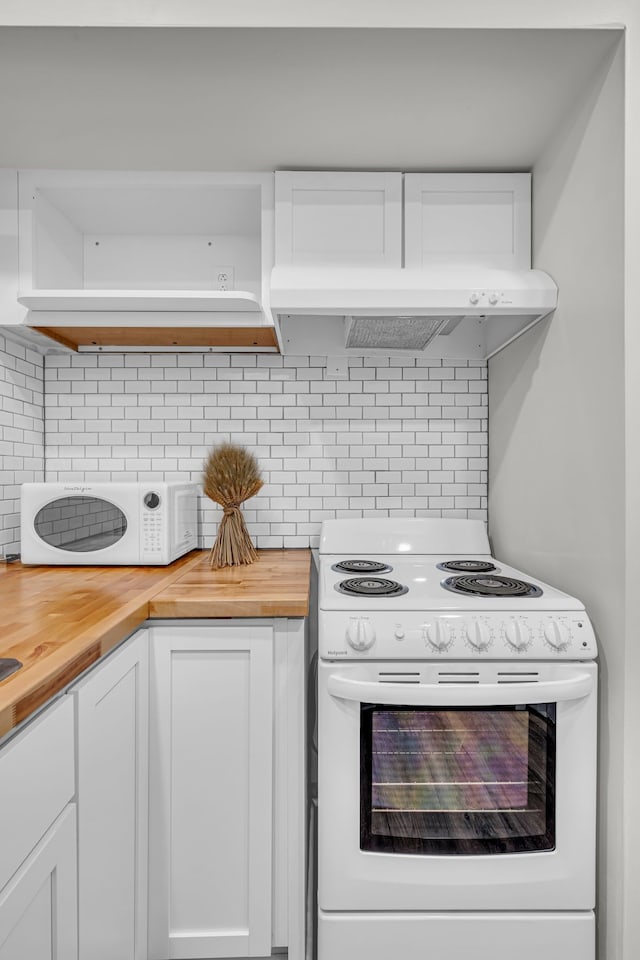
(231, 475)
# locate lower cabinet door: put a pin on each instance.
(210, 791)
(38, 907)
(112, 716)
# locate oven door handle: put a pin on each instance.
(460, 694)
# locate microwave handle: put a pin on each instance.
(460, 694)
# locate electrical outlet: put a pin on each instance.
(223, 278)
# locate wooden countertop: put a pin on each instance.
(276, 586)
(59, 620)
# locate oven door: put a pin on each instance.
(464, 787)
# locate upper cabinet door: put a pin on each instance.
(468, 220)
(338, 219)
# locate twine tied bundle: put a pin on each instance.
(231, 475)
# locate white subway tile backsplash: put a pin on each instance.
(399, 437)
(21, 433)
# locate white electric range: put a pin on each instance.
(456, 750)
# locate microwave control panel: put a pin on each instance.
(152, 525)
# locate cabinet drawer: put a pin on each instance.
(37, 769)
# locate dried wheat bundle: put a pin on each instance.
(231, 475)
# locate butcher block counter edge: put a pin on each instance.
(59, 620)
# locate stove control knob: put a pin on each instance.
(477, 634)
(518, 634)
(438, 635)
(557, 634)
(474, 296)
(493, 298)
(360, 633)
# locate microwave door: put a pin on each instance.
(78, 523)
(81, 524)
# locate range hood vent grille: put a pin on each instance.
(387, 333)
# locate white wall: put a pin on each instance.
(405, 87)
(399, 437)
(557, 445)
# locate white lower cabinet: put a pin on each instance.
(211, 785)
(112, 703)
(38, 888)
(189, 763)
(38, 907)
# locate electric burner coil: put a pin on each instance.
(467, 566)
(491, 586)
(371, 587)
(361, 566)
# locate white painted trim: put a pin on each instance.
(296, 786)
(290, 786)
(501, 14)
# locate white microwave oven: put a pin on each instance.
(108, 523)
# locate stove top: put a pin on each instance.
(424, 583)
(420, 589)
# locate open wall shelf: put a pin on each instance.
(120, 255)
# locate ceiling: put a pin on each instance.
(263, 99)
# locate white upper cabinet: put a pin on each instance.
(155, 251)
(362, 219)
(468, 220)
(195, 236)
(298, 262)
(338, 219)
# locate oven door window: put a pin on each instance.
(80, 524)
(457, 780)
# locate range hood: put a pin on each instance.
(454, 312)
